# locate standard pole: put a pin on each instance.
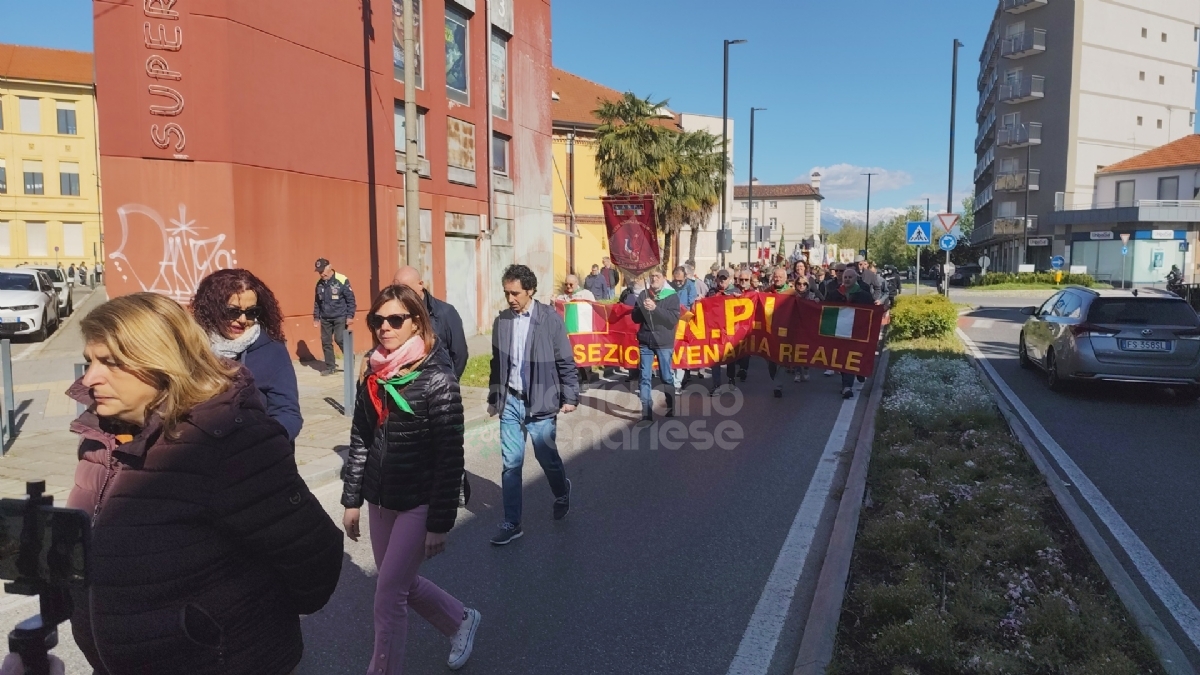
(867, 234)
(348, 371)
(725, 143)
(412, 147)
(950, 186)
(1025, 239)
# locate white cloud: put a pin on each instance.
(842, 181)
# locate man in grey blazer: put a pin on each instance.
(533, 379)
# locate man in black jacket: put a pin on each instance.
(657, 314)
(533, 379)
(446, 321)
(850, 292)
(333, 306)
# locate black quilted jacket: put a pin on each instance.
(206, 548)
(410, 459)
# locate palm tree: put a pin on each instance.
(636, 155)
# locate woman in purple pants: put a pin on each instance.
(406, 462)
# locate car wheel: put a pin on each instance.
(42, 331)
(1023, 354)
(1053, 381)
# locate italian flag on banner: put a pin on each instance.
(584, 317)
(846, 322)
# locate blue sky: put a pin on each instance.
(850, 85)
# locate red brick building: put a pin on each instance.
(265, 135)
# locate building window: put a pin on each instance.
(1142, 76)
(1196, 35)
(1139, 120)
(457, 58)
(1168, 188)
(1162, 79)
(3, 178)
(1160, 124)
(774, 205)
(34, 184)
(1192, 119)
(5, 239)
(1125, 193)
(1006, 210)
(398, 40)
(399, 120)
(1, 114)
(500, 154)
(73, 240)
(66, 119)
(31, 115)
(68, 179)
(774, 223)
(499, 75)
(460, 151)
(745, 205)
(1144, 33)
(1164, 37)
(35, 240)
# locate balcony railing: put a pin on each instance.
(1024, 44)
(983, 198)
(1027, 88)
(1020, 135)
(1140, 204)
(986, 99)
(1002, 227)
(1015, 181)
(985, 163)
(985, 131)
(1018, 6)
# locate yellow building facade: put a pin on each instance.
(49, 169)
(580, 237)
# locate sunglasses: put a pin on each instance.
(375, 322)
(232, 313)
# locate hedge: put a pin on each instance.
(995, 278)
(922, 316)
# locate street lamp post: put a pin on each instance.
(867, 236)
(750, 190)
(1028, 158)
(725, 140)
(950, 185)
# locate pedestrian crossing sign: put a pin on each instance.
(919, 233)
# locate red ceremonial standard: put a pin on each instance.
(632, 233)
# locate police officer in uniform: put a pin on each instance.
(333, 306)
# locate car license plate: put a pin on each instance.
(1146, 345)
(10, 320)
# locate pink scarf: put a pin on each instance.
(385, 365)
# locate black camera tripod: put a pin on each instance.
(34, 637)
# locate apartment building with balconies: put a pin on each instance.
(1067, 87)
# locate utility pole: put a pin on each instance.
(867, 237)
(950, 188)
(750, 191)
(725, 142)
(1028, 157)
(412, 146)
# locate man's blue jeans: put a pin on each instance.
(514, 426)
(664, 373)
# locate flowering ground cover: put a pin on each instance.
(963, 562)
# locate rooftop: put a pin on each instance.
(577, 98)
(19, 62)
(1181, 153)
(797, 190)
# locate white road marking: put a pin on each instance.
(983, 324)
(758, 643)
(1160, 581)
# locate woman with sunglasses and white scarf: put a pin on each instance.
(244, 323)
(406, 463)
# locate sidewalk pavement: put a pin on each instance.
(45, 449)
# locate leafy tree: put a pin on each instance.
(850, 236)
(638, 155)
(967, 221)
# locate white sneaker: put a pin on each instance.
(829, 373)
(798, 377)
(464, 640)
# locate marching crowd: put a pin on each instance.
(206, 545)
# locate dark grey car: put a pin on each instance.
(1141, 335)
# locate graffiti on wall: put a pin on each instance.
(188, 254)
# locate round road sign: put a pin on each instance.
(1057, 262)
(948, 242)
(985, 261)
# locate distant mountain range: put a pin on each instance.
(831, 219)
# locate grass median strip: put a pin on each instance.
(963, 562)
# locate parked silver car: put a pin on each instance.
(1141, 335)
(65, 286)
(28, 303)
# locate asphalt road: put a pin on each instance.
(1139, 445)
(659, 568)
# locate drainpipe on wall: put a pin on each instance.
(571, 200)
(484, 262)
(412, 148)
